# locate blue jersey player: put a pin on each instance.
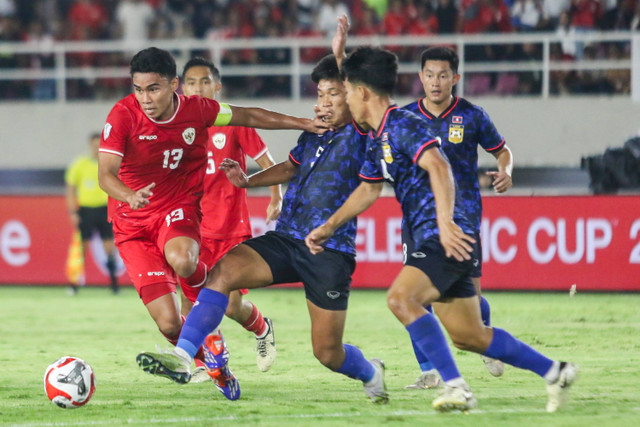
(461, 127)
(322, 170)
(403, 152)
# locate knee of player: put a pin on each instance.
(183, 264)
(396, 301)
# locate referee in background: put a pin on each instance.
(87, 205)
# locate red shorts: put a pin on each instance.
(141, 246)
(211, 251)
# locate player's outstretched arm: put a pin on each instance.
(502, 178)
(455, 242)
(339, 42)
(359, 201)
(254, 117)
(108, 167)
(275, 205)
(278, 174)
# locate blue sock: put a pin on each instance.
(485, 311)
(425, 332)
(514, 352)
(205, 316)
(355, 365)
(422, 359)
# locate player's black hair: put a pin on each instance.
(154, 60)
(440, 53)
(199, 61)
(373, 67)
(95, 135)
(326, 69)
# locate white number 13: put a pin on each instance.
(175, 155)
(174, 216)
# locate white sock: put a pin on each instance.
(457, 382)
(553, 373)
(186, 358)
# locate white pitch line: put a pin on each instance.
(265, 417)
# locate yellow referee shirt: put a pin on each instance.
(83, 174)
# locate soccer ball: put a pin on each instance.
(69, 382)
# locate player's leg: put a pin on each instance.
(106, 235)
(408, 294)
(494, 366)
(461, 317)
(327, 327)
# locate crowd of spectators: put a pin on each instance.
(47, 21)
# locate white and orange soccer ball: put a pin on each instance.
(69, 382)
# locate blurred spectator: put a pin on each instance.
(585, 14)
(328, 15)
(368, 25)
(134, 18)
(551, 10)
(526, 14)
(395, 21)
(447, 16)
(425, 21)
(306, 13)
(619, 79)
(567, 32)
(7, 8)
(88, 19)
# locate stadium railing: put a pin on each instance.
(59, 71)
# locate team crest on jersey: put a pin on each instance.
(106, 131)
(456, 119)
(456, 133)
(386, 152)
(189, 135)
(219, 140)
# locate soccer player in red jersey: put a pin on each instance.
(223, 227)
(152, 163)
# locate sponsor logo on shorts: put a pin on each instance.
(333, 294)
(476, 261)
(148, 137)
(418, 255)
(155, 273)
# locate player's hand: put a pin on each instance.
(317, 237)
(274, 208)
(322, 113)
(234, 173)
(339, 42)
(140, 198)
(501, 181)
(317, 126)
(456, 243)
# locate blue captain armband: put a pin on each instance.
(224, 115)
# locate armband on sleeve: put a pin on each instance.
(224, 115)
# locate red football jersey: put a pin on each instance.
(224, 207)
(171, 153)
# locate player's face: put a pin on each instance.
(155, 94)
(199, 80)
(355, 101)
(438, 80)
(332, 102)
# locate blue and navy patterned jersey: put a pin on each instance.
(326, 174)
(392, 154)
(461, 128)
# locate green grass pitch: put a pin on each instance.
(599, 332)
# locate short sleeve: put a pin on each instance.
(250, 142)
(416, 138)
(116, 131)
(71, 175)
(211, 112)
(370, 170)
(488, 136)
(297, 154)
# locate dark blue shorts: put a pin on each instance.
(476, 255)
(326, 276)
(452, 278)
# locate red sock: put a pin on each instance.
(198, 278)
(174, 341)
(255, 323)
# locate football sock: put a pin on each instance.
(198, 278)
(552, 375)
(205, 316)
(427, 335)
(423, 361)
(485, 311)
(355, 365)
(255, 323)
(174, 341)
(516, 353)
(111, 267)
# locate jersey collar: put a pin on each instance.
(384, 119)
(444, 114)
